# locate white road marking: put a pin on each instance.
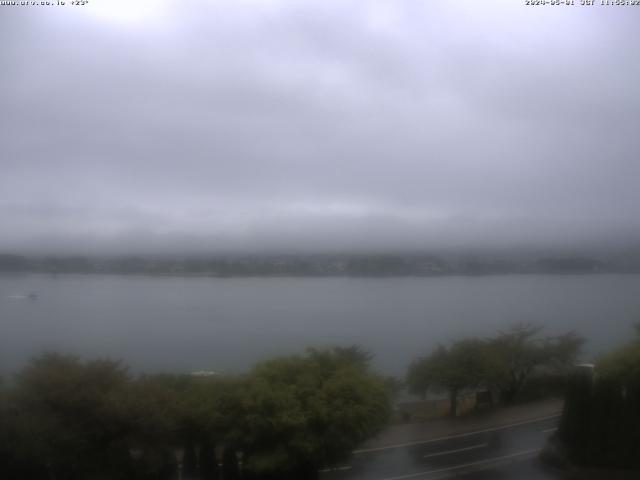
(550, 430)
(450, 437)
(336, 469)
(473, 447)
(465, 465)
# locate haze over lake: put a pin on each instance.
(185, 324)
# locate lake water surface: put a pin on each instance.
(185, 324)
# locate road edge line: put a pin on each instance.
(457, 435)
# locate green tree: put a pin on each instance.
(600, 424)
(458, 367)
(68, 417)
(157, 406)
(183, 412)
(353, 354)
(622, 365)
(302, 412)
(87, 420)
(513, 356)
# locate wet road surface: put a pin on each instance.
(501, 453)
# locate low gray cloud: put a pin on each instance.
(317, 125)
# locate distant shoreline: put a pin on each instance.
(309, 276)
(304, 266)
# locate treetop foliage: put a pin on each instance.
(73, 419)
(502, 363)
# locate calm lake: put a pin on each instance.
(186, 324)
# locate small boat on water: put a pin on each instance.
(29, 296)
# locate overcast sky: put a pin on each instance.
(317, 125)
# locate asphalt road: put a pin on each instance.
(501, 453)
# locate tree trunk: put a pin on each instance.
(190, 459)
(208, 461)
(453, 402)
(230, 468)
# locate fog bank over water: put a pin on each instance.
(200, 126)
(370, 236)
